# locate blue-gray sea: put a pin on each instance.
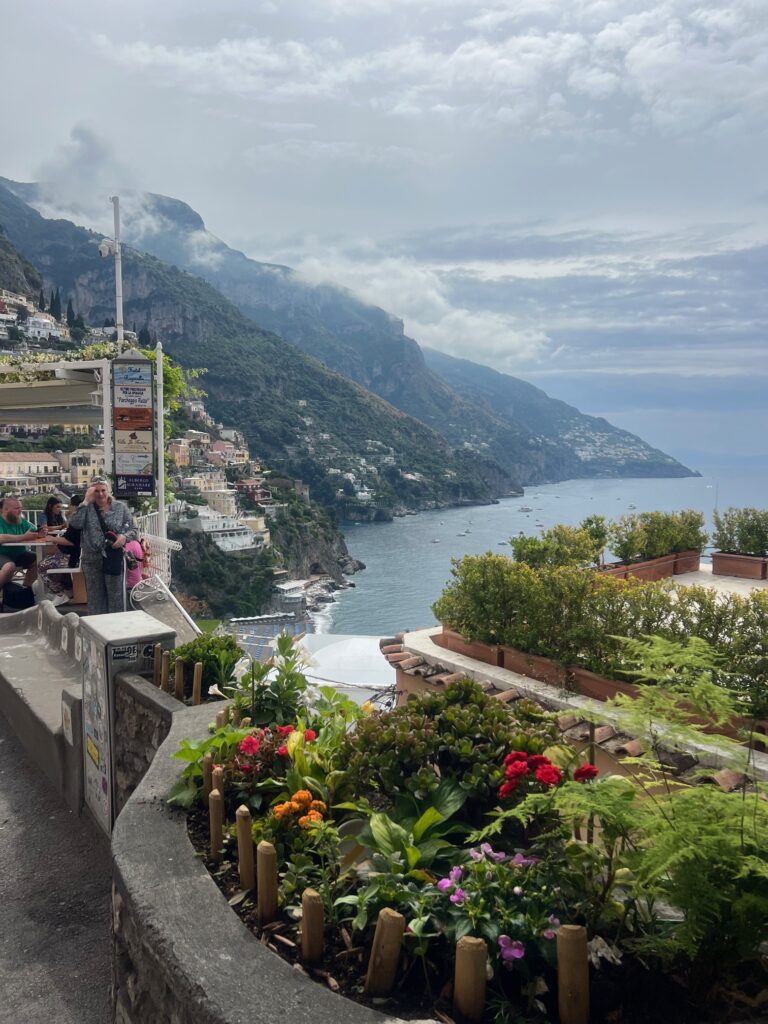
(409, 560)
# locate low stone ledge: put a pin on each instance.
(181, 954)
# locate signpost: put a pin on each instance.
(133, 425)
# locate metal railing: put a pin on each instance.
(160, 547)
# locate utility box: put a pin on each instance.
(119, 642)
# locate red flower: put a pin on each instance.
(283, 730)
(549, 775)
(516, 770)
(282, 751)
(507, 789)
(516, 755)
(249, 746)
(537, 760)
(585, 772)
(309, 735)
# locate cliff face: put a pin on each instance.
(17, 274)
(309, 551)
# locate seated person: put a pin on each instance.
(59, 585)
(52, 516)
(15, 530)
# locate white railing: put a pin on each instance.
(160, 547)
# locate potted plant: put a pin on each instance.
(741, 539)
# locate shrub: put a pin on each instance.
(575, 617)
(562, 545)
(655, 534)
(458, 734)
(742, 531)
(218, 654)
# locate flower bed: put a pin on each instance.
(439, 858)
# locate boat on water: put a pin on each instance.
(435, 540)
(525, 508)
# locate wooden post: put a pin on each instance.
(216, 815)
(178, 680)
(221, 719)
(165, 670)
(266, 873)
(245, 848)
(197, 684)
(469, 978)
(217, 778)
(312, 926)
(572, 974)
(156, 664)
(385, 953)
(207, 774)
(245, 723)
(237, 717)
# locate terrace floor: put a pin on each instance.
(723, 584)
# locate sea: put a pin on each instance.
(408, 561)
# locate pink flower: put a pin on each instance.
(585, 772)
(455, 875)
(549, 934)
(444, 884)
(282, 751)
(458, 896)
(521, 861)
(249, 746)
(511, 949)
(486, 850)
(309, 735)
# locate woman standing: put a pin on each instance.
(105, 525)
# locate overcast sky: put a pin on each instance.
(573, 191)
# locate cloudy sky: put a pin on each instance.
(573, 191)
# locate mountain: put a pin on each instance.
(534, 439)
(294, 411)
(596, 446)
(16, 273)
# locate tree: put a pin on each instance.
(144, 338)
(52, 303)
(56, 306)
(109, 322)
(41, 301)
(70, 314)
(22, 314)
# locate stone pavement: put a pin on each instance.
(55, 951)
(723, 584)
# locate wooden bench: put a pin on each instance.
(79, 592)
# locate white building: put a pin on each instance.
(40, 327)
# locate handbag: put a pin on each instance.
(113, 557)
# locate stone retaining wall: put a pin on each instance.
(143, 716)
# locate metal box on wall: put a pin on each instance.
(120, 642)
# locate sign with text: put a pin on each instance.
(133, 423)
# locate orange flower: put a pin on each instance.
(296, 807)
(305, 821)
(315, 816)
(281, 810)
(303, 797)
(318, 805)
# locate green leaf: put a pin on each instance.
(429, 818)
(412, 856)
(387, 834)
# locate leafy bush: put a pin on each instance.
(218, 654)
(576, 618)
(655, 534)
(458, 734)
(742, 531)
(562, 545)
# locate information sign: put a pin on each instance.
(133, 423)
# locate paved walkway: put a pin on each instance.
(723, 584)
(54, 902)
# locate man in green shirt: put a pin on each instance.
(15, 531)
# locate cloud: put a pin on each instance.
(77, 181)
(675, 68)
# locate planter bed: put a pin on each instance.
(745, 567)
(453, 641)
(649, 570)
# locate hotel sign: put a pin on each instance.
(133, 426)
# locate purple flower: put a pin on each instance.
(511, 949)
(549, 934)
(554, 921)
(520, 861)
(455, 875)
(458, 896)
(444, 884)
(486, 850)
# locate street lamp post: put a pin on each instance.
(109, 247)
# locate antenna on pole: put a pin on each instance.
(115, 200)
